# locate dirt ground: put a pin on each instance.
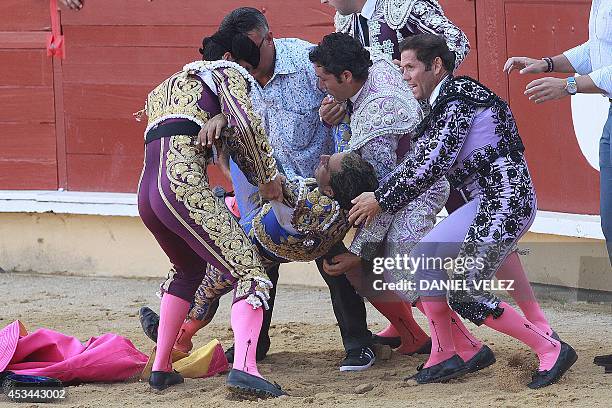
(305, 353)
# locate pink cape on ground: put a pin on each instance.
(45, 352)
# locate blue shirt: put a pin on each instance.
(289, 106)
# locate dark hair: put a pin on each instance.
(356, 176)
(427, 48)
(339, 52)
(239, 45)
(244, 20)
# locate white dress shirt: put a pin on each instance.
(594, 57)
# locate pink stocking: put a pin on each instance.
(523, 296)
(186, 333)
(513, 324)
(439, 317)
(399, 313)
(465, 343)
(171, 314)
(246, 324)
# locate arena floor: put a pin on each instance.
(305, 353)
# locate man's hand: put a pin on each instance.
(211, 131)
(365, 209)
(546, 89)
(341, 264)
(73, 4)
(526, 65)
(331, 111)
(273, 190)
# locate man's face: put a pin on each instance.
(328, 165)
(341, 90)
(265, 42)
(421, 81)
(345, 7)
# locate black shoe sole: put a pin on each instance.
(446, 377)
(145, 324)
(163, 387)
(250, 393)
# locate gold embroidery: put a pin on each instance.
(249, 146)
(185, 170)
(176, 96)
(319, 220)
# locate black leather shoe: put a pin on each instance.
(249, 386)
(160, 380)
(149, 320)
(446, 370)
(567, 357)
(482, 359)
(603, 360)
(260, 354)
(393, 342)
(425, 349)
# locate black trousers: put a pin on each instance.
(348, 306)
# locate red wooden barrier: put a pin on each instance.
(68, 123)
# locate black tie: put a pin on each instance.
(349, 107)
(365, 31)
(362, 32)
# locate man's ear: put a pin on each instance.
(270, 37)
(347, 76)
(228, 56)
(438, 65)
(328, 191)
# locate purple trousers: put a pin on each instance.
(194, 228)
(475, 240)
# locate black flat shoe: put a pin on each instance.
(393, 342)
(603, 360)
(446, 370)
(260, 354)
(567, 357)
(249, 386)
(482, 359)
(425, 349)
(160, 380)
(149, 320)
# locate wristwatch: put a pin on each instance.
(570, 86)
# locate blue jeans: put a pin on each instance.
(605, 167)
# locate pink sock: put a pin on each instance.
(523, 295)
(439, 317)
(399, 313)
(513, 324)
(388, 331)
(186, 332)
(466, 345)
(246, 324)
(171, 314)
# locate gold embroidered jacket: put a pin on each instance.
(179, 97)
(318, 220)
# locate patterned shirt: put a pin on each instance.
(594, 57)
(289, 106)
